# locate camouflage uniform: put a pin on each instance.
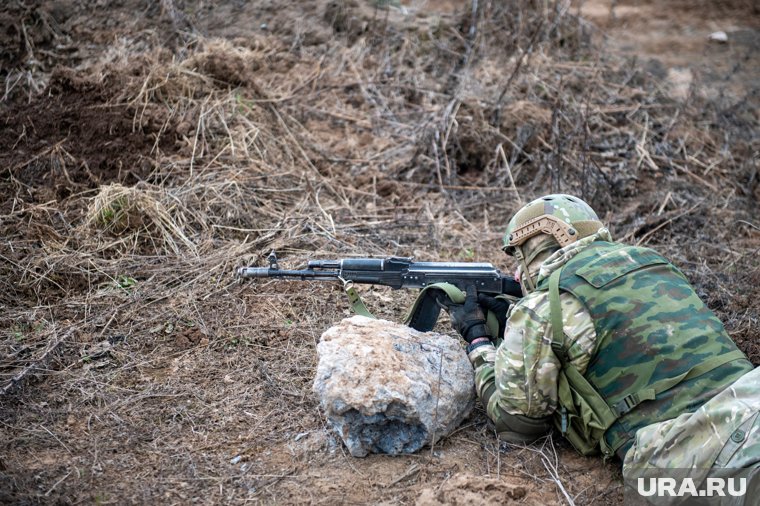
(724, 432)
(522, 376)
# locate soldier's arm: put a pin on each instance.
(517, 383)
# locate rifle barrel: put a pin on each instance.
(268, 272)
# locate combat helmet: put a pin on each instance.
(562, 218)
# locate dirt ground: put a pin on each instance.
(150, 148)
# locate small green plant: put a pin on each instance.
(113, 212)
(21, 331)
(384, 4)
(235, 342)
(126, 282)
(243, 105)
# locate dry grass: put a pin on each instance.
(139, 214)
(335, 133)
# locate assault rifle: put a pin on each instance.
(436, 279)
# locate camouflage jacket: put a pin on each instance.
(524, 369)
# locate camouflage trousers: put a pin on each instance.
(723, 434)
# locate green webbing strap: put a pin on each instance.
(573, 383)
(658, 387)
(424, 312)
(609, 450)
(492, 323)
(598, 416)
(357, 305)
(555, 308)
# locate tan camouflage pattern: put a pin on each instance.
(526, 366)
(723, 433)
(747, 454)
(561, 257)
(520, 376)
(567, 208)
(532, 390)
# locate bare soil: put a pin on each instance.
(149, 148)
(77, 124)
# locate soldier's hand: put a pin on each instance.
(498, 307)
(468, 318)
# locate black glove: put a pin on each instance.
(498, 307)
(468, 318)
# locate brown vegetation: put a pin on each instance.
(148, 150)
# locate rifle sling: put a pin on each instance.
(357, 304)
(425, 311)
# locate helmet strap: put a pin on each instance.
(526, 279)
(547, 244)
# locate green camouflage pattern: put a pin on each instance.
(526, 349)
(723, 433)
(564, 255)
(651, 326)
(509, 377)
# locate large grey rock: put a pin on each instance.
(387, 388)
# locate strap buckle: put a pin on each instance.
(560, 351)
(626, 404)
(563, 420)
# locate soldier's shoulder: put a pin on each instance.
(533, 300)
(534, 306)
(538, 302)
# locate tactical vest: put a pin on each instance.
(660, 351)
